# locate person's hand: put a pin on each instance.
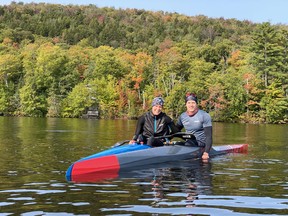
(205, 156)
(132, 141)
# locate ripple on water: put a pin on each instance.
(214, 205)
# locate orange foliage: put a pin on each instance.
(138, 63)
(167, 18)
(235, 59)
(122, 101)
(248, 77)
(250, 102)
(7, 41)
(56, 40)
(137, 80)
(101, 19)
(166, 44)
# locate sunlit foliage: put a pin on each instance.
(61, 61)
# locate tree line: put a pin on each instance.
(60, 61)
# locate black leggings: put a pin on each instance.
(152, 141)
(189, 142)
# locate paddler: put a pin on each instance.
(197, 122)
(154, 123)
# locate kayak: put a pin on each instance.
(110, 162)
(148, 171)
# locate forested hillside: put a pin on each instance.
(59, 61)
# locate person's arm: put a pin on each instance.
(139, 128)
(208, 142)
(172, 127)
(207, 126)
(179, 124)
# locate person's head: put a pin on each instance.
(191, 102)
(157, 105)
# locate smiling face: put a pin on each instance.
(157, 109)
(191, 106)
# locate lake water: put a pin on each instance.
(36, 152)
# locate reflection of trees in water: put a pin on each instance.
(158, 191)
(190, 180)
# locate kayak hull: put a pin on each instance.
(109, 163)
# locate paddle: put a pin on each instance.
(120, 143)
(182, 135)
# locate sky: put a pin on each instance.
(257, 11)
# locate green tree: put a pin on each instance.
(98, 93)
(11, 73)
(235, 95)
(274, 104)
(45, 74)
(10, 68)
(77, 102)
(105, 62)
(268, 52)
(104, 92)
(168, 70)
(284, 74)
(199, 71)
(4, 98)
(254, 89)
(32, 103)
(216, 102)
(174, 102)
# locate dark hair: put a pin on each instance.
(191, 96)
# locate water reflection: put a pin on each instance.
(171, 184)
(187, 189)
(35, 154)
(192, 180)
